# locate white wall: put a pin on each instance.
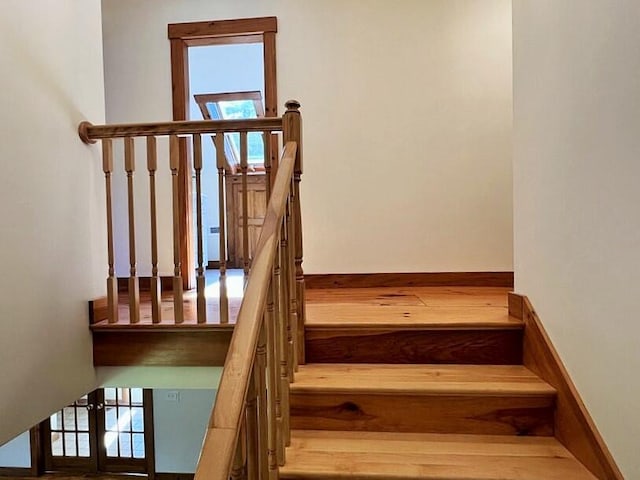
(17, 452)
(407, 121)
(179, 427)
(159, 377)
(577, 225)
(51, 208)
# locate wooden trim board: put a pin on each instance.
(428, 279)
(174, 476)
(145, 284)
(13, 472)
(574, 427)
(155, 346)
(222, 28)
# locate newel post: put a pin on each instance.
(292, 132)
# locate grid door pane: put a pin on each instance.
(66, 426)
(123, 416)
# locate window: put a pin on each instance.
(230, 106)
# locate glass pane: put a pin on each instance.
(84, 449)
(136, 396)
(56, 421)
(137, 419)
(82, 401)
(256, 147)
(69, 419)
(123, 396)
(109, 396)
(70, 444)
(111, 419)
(83, 419)
(56, 444)
(138, 445)
(111, 444)
(237, 109)
(213, 111)
(125, 445)
(124, 419)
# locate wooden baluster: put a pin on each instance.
(220, 163)
(291, 286)
(292, 131)
(286, 373)
(155, 286)
(286, 273)
(238, 471)
(267, 163)
(260, 378)
(112, 281)
(252, 426)
(244, 167)
(280, 355)
(174, 162)
(272, 388)
(200, 279)
(134, 288)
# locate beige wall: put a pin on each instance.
(576, 171)
(407, 117)
(51, 208)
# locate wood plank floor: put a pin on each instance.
(92, 476)
(409, 307)
(411, 325)
(235, 294)
(420, 379)
(390, 456)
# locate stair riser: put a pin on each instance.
(493, 415)
(483, 347)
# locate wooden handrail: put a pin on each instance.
(219, 448)
(89, 133)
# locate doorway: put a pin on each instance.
(185, 39)
(107, 430)
(227, 82)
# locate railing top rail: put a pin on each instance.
(219, 446)
(89, 133)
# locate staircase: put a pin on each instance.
(420, 383)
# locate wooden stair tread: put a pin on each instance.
(408, 316)
(483, 380)
(334, 455)
(425, 296)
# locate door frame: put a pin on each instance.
(218, 32)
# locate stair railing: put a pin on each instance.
(249, 426)
(179, 134)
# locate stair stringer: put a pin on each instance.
(574, 427)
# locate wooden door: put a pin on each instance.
(70, 442)
(257, 209)
(108, 430)
(121, 429)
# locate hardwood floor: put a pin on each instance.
(391, 456)
(408, 383)
(441, 325)
(92, 476)
(234, 292)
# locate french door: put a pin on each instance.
(108, 430)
